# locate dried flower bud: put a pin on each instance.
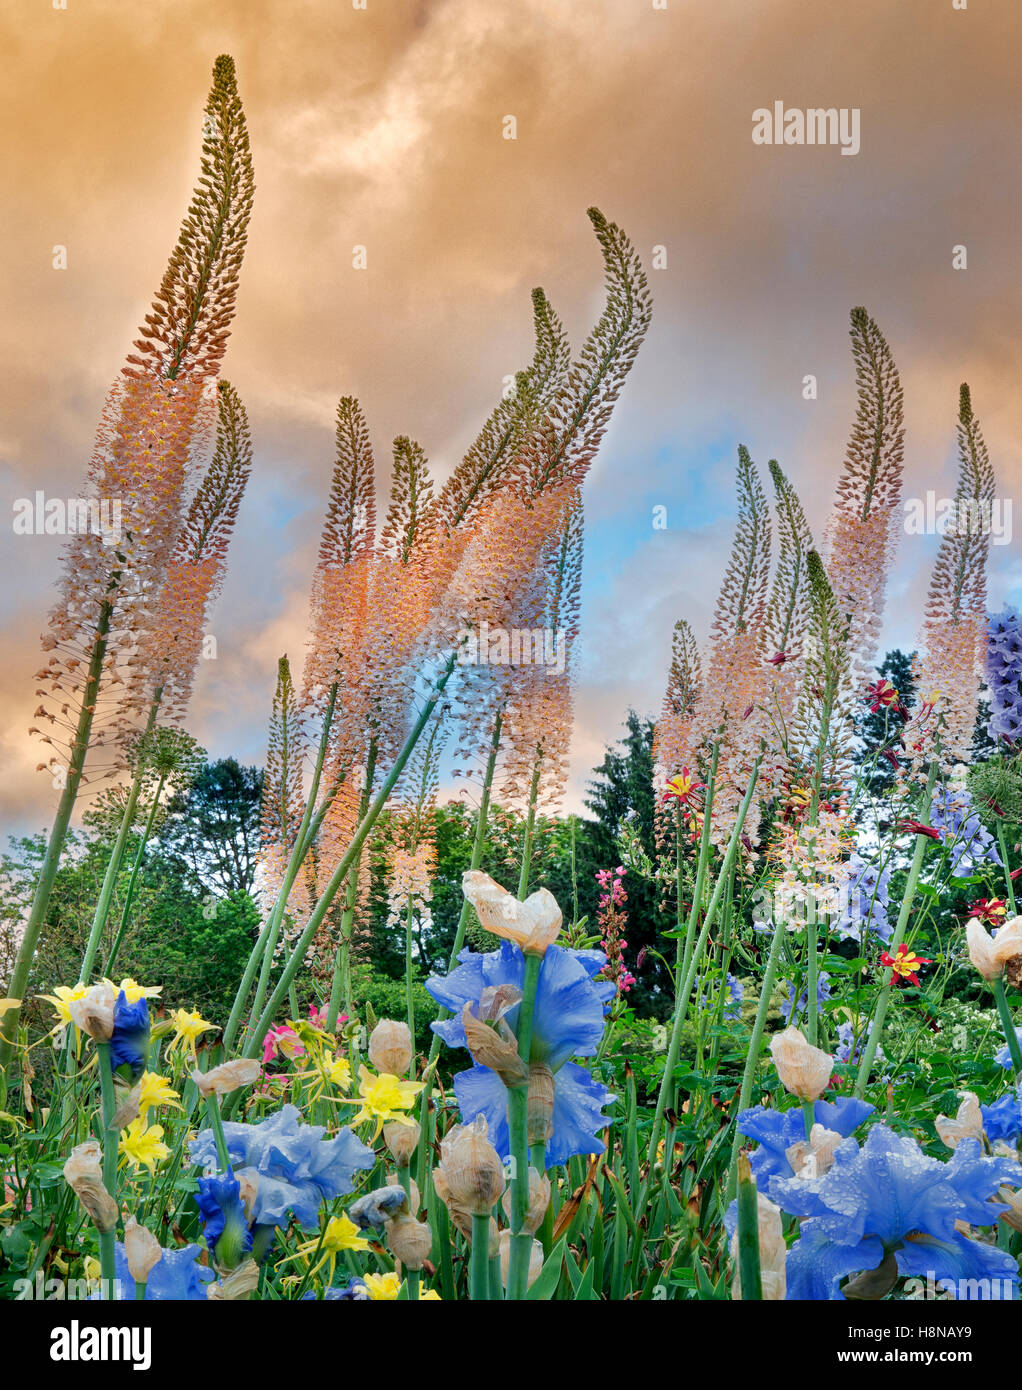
(541, 1104)
(967, 1124)
(410, 1241)
(83, 1172)
(804, 1070)
(532, 925)
(128, 1107)
(142, 1250)
(402, 1141)
(390, 1047)
(990, 955)
(812, 1158)
(772, 1251)
(535, 1259)
(1013, 1198)
(493, 1049)
(472, 1168)
(239, 1284)
(539, 1201)
(227, 1077)
(94, 1012)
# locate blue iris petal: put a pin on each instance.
(129, 1041)
(963, 1262)
(578, 1110)
(816, 1265)
(175, 1277)
(221, 1209)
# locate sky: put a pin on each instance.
(383, 127)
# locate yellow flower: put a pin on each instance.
(383, 1098)
(339, 1234)
(429, 1296)
(62, 998)
(143, 1147)
(338, 1073)
(382, 1288)
(133, 991)
(155, 1090)
(187, 1027)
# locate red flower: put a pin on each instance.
(885, 696)
(904, 963)
(917, 828)
(992, 911)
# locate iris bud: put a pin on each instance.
(83, 1172)
(390, 1047)
(804, 1070)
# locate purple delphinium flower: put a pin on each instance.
(962, 831)
(736, 993)
(1004, 675)
(866, 901)
(799, 1009)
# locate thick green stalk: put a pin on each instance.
(113, 868)
(872, 1039)
(684, 958)
(479, 1260)
(107, 1239)
(749, 1274)
(18, 985)
(340, 985)
(530, 827)
(478, 847)
(755, 1046)
(518, 1129)
(129, 891)
(302, 841)
(409, 994)
(1008, 1025)
(683, 996)
(256, 1035)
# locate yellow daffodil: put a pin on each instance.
(339, 1234)
(133, 991)
(188, 1025)
(142, 1146)
(155, 1090)
(382, 1288)
(383, 1098)
(62, 998)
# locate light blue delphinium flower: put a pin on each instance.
(961, 829)
(295, 1167)
(1003, 1057)
(888, 1199)
(568, 1022)
(736, 993)
(866, 901)
(776, 1130)
(175, 1277)
(129, 1041)
(799, 1009)
(1004, 675)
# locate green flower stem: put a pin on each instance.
(319, 912)
(496, 1286)
(684, 957)
(340, 984)
(1008, 1024)
(749, 1274)
(129, 891)
(1002, 840)
(518, 1126)
(304, 838)
(872, 1039)
(213, 1111)
(530, 827)
(113, 868)
(409, 993)
(18, 984)
(139, 1291)
(479, 1260)
(412, 1282)
(107, 1239)
(683, 995)
(478, 848)
(755, 1046)
(808, 1117)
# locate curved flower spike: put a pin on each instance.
(532, 925)
(990, 954)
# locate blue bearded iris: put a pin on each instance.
(224, 1223)
(175, 1277)
(888, 1199)
(1003, 1119)
(568, 1022)
(295, 1167)
(776, 1130)
(129, 1041)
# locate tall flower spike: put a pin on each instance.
(732, 699)
(566, 442)
(788, 609)
(953, 641)
(672, 745)
(826, 681)
(283, 801)
(864, 524)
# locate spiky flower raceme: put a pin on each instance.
(864, 525)
(1004, 676)
(672, 746)
(947, 675)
